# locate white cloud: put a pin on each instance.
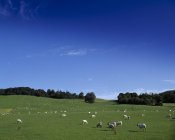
(142, 90)
(79, 52)
(169, 81)
(68, 51)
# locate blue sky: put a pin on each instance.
(102, 46)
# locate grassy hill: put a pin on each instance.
(42, 120)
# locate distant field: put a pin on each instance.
(39, 125)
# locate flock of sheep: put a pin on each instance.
(111, 125)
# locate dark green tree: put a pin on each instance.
(90, 97)
(81, 95)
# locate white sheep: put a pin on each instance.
(142, 126)
(63, 115)
(19, 121)
(126, 117)
(142, 115)
(84, 122)
(111, 125)
(93, 116)
(119, 123)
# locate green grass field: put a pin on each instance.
(37, 125)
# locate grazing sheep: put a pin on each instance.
(142, 126)
(119, 123)
(111, 125)
(126, 117)
(142, 115)
(19, 121)
(93, 116)
(63, 115)
(84, 122)
(95, 112)
(99, 124)
(89, 112)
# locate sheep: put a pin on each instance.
(142, 115)
(84, 122)
(126, 117)
(93, 116)
(119, 123)
(63, 115)
(95, 112)
(111, 125)
(99, 124)
(142, 126)
(19, 121)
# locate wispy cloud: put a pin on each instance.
(78, 52)
(142, 90)
(169, 81)
(26, 10)
(66, 51)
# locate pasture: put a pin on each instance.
(42, 120)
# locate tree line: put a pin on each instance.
(89, 97)
(147, 99)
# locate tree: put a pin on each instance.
(90, 97)
(81, 95)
